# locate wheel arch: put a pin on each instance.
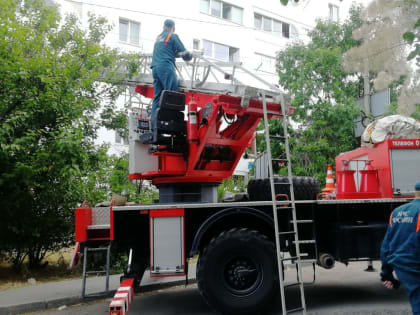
(237, 217)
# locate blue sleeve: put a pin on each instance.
(178, 45)
(387, 268)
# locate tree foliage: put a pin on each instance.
(391, 48)
(323, 95)
(58, 85)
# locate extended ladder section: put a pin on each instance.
(86, 272)
(291, 234)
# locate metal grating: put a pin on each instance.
(100, 216)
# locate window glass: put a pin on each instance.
(237, 15)
(117, 137)
(267, 63)
(216, 8)
(134, 33)
(227, 11)
(233, 54)
(286, 30)
(207, 48)
(123, 30)
(277, 27)
(333, 12)
(221, 52)
(294, 33)
(267, 24)
(204, 6)
(257, 21)
(196, 44)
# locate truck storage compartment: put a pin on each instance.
(167, 247)
(359, 241)
(405, 169)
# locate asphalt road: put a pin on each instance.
(342, 290)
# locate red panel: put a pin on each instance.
(146, 91)
(166, 213)
(379, 154)
(83, 218)
(404, 143)
(194, 166)
(111, 224)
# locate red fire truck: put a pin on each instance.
(237, 271)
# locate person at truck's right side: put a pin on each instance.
(400, 251)
(167, 47)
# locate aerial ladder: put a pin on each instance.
(227, 102)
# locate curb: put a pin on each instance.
(49, 304)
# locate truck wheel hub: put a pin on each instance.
(241, 276)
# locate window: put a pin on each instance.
(266, 63)
(333, 9)
(196, 44)
(270, 25)
(220, 51)
(129, 32)
(119, 139)
(222, 9)
(257, 21)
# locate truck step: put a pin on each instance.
(303, 221)
(293, 284)
(295, 310)
(287, 233)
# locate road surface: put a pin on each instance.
(341, 290)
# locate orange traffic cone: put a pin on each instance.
(329, 187)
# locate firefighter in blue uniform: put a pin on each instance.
(167, 47)
(400, 251)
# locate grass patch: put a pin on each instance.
(54, 269)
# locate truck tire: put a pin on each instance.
(305, 188)
(237, 272)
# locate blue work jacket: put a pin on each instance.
(167, 46)
(401, 245)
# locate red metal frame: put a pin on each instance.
(236, 137)
(165, 214)
(379, 154)
(83, 218)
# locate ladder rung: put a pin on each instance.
(312, 261)
(305, 242)
(94, 272)
(295, 310)
(287, 233)
(303, 221)
(292, 284)
(280, 160)
(289, 258)
(277, 137)
(281, 183)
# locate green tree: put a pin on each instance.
(112, 177)
(390, 49)
(323, 96)
(58, 85)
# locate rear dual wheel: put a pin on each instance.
(237, 272)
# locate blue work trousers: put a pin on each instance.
(164, 78)
(411, 283)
